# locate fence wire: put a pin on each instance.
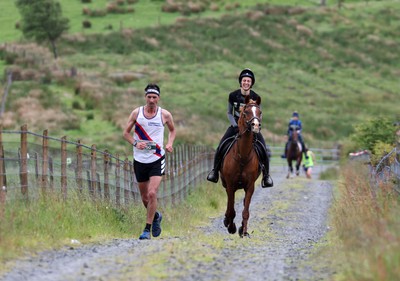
(386, 170)
(84, 168)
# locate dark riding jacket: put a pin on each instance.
(236, 100)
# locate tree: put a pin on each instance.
(42, 20)
(369, 133)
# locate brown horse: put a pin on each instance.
(294, 152)
(240, 168)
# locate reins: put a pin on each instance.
(248, 129)
(248, 122)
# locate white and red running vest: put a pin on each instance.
(151, 131)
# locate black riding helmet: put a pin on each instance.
(247, 73)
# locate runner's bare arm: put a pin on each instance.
(129, 126)
(169, 121)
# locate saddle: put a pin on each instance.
(262, 152)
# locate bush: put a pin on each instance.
(76, 105)
(371, 132)
(86, 24)
(380, 150)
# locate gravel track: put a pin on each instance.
(288, 223)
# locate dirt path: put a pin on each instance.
(287, 225)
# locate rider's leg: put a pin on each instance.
(303, 147)
(285, 151)
(214, 173)
(266, 180)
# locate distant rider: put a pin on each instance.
(295, 124)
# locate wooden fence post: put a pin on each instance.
(64, 167)
(135, 186)
(184, 171)
(93, 170)
(3, 182)
(180, 172)
(51, 171)
(398, 151)
(89, 182)
(79, 169)
(3, 188)
(98, 183)
(36, 166)
(118, 182)
(398, 143)
(106, 178)
(172, 177)
(126, 181)
(24, 161)
(45, 160)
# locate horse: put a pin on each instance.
(294, 152)
(240, 167)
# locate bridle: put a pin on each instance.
(249, 123)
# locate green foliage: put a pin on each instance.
(369, 133)
(42, 20)
(380, 150)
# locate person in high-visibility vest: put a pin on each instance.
(308, 162)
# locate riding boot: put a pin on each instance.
(284, 152)
(266, 180)
(214, 173)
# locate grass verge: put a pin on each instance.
(366, 221)
(51, 222)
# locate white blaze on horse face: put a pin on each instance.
(255, 125)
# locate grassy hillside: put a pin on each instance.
(337, 67)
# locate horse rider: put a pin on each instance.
(295, 124)
(235, 102)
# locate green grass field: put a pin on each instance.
(336, 67)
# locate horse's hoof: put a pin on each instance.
(226, 222)
(243, 234)
(232, 228)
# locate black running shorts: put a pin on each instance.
(143, 171)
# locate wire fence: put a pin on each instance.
(387, 170)
(39, 163)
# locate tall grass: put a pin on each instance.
(51, 222)
(367, 222)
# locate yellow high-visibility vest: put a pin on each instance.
(310, 161)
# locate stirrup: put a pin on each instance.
(267, 181)
(213, 176)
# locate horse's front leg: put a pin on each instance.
(290, 169)
(297, 168)
(246, 210)
(230, 211)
